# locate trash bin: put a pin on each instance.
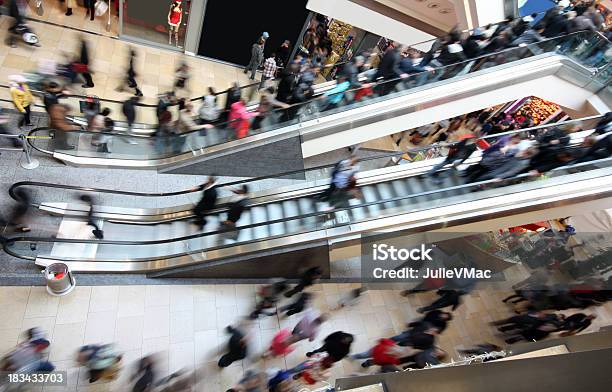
(59, 279)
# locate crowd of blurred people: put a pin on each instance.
(287, 87)
(537, 302)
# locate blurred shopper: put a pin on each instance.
(283, 53)
(29, 356)
(576, 323)
(207, 203)
(81, 64)
(237, 346)
(267, 298)
(22, 99)
(145, 375)
(128, 108)
(53, 93)
(60, 125)
(251, 381)
(99, 234)
(269, 70)
(239, 119)
(237, 206)
(447, 298)
(101, 361)
(98, 124)
(209, 111)
(18, 216)
(300, 304)
(337, 345)
(182, 76)
(5, 119)
(130, 79)
(308, 278)
(309, 326)
(70, 4)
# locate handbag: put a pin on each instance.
(80, 68)
(101, 7)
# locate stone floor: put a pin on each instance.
(184, 324)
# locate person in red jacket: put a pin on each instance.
(239, 119)
(387, 354)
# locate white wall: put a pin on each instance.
(365, 19)
(489, 11)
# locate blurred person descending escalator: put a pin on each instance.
(237, 206)
(343, 182)
(207, 203)
(99, 234)
(17, 218)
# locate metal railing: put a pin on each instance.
(30, 162)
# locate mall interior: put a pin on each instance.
(305, 195)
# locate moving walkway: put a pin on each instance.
(563, 70)
(286, 222)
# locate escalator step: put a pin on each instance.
(386, 192)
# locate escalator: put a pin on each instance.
(563, 70)
(283, 226)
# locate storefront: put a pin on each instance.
(162, 22)
(230, 28)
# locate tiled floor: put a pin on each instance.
(185, 325)
(155, 67)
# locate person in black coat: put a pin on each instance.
(337, 345)
(287, 84)
(389, 68)
(84, 61)
(558, 25)
(447, 298)
(207, 202)
(471, 46)
(131, 75)
(298, 306)
(283, 53)
(237, 347)
(309, 277)
(128, 108)
(234, 94)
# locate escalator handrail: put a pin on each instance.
(11, 240)
(284, 174)
(376, 83)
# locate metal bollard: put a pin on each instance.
(30, 163)
(59, 279)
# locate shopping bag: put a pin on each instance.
(101, 7)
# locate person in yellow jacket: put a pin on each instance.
(22, 98)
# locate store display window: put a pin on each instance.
(159, 21)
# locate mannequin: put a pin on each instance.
(175, 17)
